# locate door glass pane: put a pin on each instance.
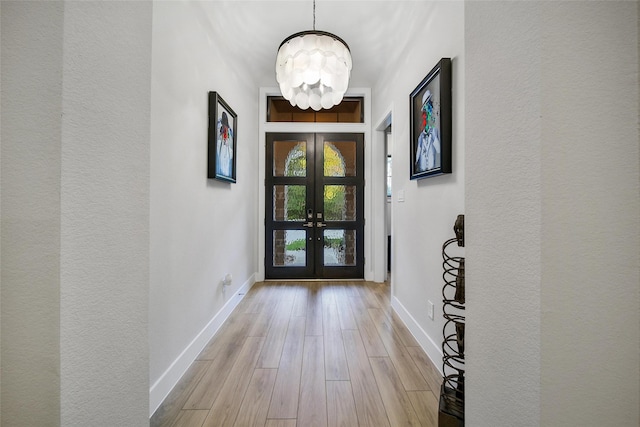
(339, 202)
(289, 202)
(340, 158)
(289, 158)
(339, 248)
(289, 248)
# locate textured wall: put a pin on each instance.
(503, 214)
(590, 321)
(105, 213)
(75, 213)
(30, 217)
(552, 214)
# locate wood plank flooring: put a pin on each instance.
(306, 354)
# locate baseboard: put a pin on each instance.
(433, 350)
(163, 386)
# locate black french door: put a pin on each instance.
(314, 206)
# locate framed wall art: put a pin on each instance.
(223, 123)
(430, 115)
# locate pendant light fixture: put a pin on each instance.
(313, 68)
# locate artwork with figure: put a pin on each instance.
(224, 149)
(222, 140)
(431, 123)
(428, 150)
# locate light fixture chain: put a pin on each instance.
(314, 15)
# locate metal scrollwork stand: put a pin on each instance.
(451, 408)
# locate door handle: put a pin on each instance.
(308, 224)
(320, 224)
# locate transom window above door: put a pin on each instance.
(350, 110)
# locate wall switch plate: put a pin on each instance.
(430, 308)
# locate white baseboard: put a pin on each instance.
(163, 386)
(433, 350)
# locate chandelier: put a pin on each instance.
(313, 68)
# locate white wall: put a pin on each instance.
(201, 229)
(552, 214)
(590, 215)
(30, 215)
(503, 215)
(425, 219)
(75, 212)
(104, 262)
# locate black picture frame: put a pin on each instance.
(430, 123)
(222, 140)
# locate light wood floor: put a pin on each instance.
(308, 354)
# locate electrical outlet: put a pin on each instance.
(430, 308)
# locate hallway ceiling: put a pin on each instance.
(376, 31)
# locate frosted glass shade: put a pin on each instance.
(313, 69)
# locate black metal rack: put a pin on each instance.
(451, 408)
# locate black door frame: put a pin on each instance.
(313, 225)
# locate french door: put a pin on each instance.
(314, 206)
